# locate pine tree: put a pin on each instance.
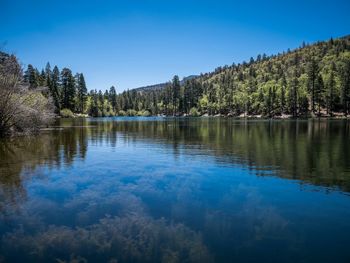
(68, 89)
(48, 75)
(42, 78)
(312, 72)
(81, 93)
(175, 93)
(331, 90)
(154, 103)
(293, 94)
(283, 93)
(112, 98)
(55, 88)
(31, 77)
(94, 108)
(319, 90)
(345, 79)
(187, 96)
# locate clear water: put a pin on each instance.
(177, 190)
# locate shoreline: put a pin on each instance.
(253, 117)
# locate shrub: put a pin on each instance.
(194, 112)
(131, 112)
(121, 113)
(22, 109)
(66, 113)
(143, 113)
(146, 113)
(108, 113)
(111, 113)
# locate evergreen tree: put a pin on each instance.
(312, 72)
(42, 79)
(81, 93)
(94, 107)
(55, 88)
(154, 103)
(31, 77)
(293, 95)
(331, 90)
(48, 73)
(283, 93)
(319, 90)
(112, 98)
(175, 93)
(68, 89)
(345, 79)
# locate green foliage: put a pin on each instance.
(175, 93)
(194, 112)
(121, 113)
(54, 86)
(131, 112)
(81, 95)
(66, 113)
(32, 77)
(68, 89)
(144, 113)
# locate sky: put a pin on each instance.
(130, 44)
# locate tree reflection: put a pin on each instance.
(314, 152)
(23, 157)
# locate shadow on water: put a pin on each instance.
(170, 190)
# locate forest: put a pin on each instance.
(312, 80)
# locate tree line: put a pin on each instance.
(312, 80)
(68, 91)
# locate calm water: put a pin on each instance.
(177, 190)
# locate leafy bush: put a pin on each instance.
(131, 112)
(22, 109)
(108, 113)
(143, 113)
(194, 112)
(121, 113)
(111, 113)
(146, 113)
(66, 113)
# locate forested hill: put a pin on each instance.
(312, 78)
(308, 81)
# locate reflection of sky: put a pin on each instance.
(237, 214)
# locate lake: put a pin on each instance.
(177, 190)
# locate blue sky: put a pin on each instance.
(134, 43)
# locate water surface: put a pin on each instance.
(177, 190)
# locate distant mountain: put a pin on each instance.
(152, 87)
(160, 86)
(188, 78)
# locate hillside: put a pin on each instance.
(310, 80)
